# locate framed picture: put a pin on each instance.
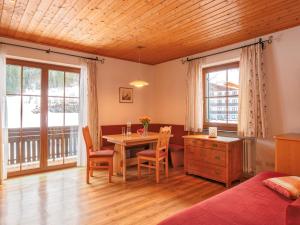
(125, 95)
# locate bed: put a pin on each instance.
(250, 203)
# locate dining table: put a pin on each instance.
(122, 145)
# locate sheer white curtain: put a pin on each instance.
(194, 97)
(3, 127)
(88, 107)
(252, 97)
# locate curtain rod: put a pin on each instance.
(261, 41)
(101, 60)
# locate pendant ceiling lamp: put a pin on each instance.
(139, 83)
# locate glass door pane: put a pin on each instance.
(24, 116)
(63, 117)
(56, 136)
(31, 117)
(71, 115)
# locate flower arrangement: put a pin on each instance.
(145, 120)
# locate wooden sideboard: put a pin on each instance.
(287, 154)
(218, 158)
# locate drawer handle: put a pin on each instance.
(217, 172)
(217, 157)
(214, 145)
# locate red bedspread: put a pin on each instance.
(250, 203)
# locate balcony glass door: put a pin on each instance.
(42, 116)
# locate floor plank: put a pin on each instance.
(63, 197)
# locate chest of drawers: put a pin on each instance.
(218, 158)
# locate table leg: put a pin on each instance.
(124, 162)
(117, 159)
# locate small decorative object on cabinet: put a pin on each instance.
(212, 132)
(217, 158)
(287, 154)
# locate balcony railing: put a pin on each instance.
(24, 146)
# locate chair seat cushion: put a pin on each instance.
(175, 147)
(150, 153)
(108, 147)
(101, 153)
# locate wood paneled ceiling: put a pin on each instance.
(168, 29)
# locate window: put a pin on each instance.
(221, 89)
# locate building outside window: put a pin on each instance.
(221, 89)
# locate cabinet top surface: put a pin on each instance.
(290, 136)
(206, 137)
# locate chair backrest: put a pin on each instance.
(163, 139)
(87, 139)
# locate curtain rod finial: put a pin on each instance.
(101, 60)
(270, 40)
(183, 61)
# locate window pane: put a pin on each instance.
(216, 83)
(72, 84)
(233, 81)
(216, 110)
(14, 111)
(56, 83)
(31, 81)
(72, 112)
(233, 108)
(55, 112)
(31, 111)
(13, 79)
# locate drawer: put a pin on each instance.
(194, 142)
(193, 152)
(215, 145)
(215, 157)
(207, 170)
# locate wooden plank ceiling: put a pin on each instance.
(168, 29)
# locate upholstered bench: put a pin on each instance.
(177, 154)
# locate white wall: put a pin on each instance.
(118, 73)
(282, 65)
(114, 73)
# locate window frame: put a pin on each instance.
(205, 71)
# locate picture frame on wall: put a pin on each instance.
(125, 95)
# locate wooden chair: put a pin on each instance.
(156, 156)
(95, 158)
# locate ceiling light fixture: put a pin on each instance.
(139, 83)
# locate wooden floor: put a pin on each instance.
(63, 197)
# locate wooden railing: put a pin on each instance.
(24, 145)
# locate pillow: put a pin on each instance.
(288, 186)
(292, 216)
